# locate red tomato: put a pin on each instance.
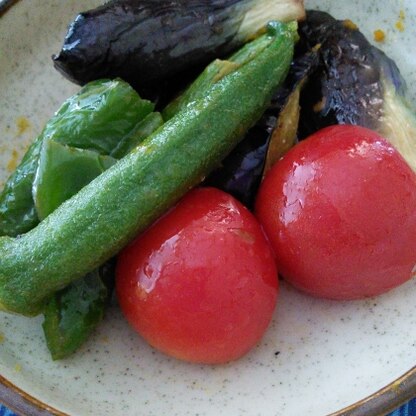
(340, 212)
(200, 284)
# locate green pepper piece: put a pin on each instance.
(99, 116)
(17, 210)
(143, 129)
(106, 214)
(62, 172)
(74, 312)
(96, 118)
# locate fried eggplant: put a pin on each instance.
(355, 83)
(241, 173)
(147, 41)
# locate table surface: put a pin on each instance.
(409, 409)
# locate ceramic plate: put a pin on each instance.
(316, 358)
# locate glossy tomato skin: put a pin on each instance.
(339, 211)
(201, 284)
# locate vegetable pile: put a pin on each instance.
(106, 190)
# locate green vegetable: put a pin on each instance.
(96, 118)
(73, 313)
(51, 172)
(17, 210)
(142, 130)
(99, 220)
(214, 72)
(62, 172)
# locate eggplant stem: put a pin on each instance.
(263, 11)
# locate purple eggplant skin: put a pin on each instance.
(143, 41)
(241, 172)
(349, 85)
(150, 42)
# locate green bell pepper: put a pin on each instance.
(96, 118)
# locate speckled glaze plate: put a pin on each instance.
(317, 357)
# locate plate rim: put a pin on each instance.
(380, 403)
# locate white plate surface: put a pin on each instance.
(316, 358)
